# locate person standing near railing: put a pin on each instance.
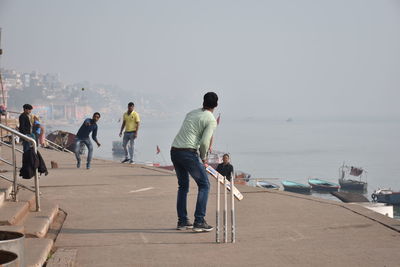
(38, 131)
(25, 126)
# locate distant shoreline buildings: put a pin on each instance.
(55, 101)
(50, 97)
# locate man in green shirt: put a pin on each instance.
(194, 135)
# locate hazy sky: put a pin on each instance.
(264, 58)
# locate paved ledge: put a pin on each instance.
(63, 257)
(124, 215)
(36, 251)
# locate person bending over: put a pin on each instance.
(88, 126)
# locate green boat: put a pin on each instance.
(322, 185)
(296, 187)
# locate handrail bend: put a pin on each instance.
(14, 163)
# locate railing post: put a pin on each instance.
(15, 184)
(14, 165)
(36, 181)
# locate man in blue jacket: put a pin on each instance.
(88, 126)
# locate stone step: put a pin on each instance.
(37, 223)
(5, 190)
(27, 196)
(13, 212)
(36, 251)
(2, 197)
(13, 228)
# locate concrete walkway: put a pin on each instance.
(124, 215)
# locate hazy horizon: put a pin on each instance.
(263, 58)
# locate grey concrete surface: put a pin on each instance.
(62, 258)
(36, 251)
(124, 215)
(12, 212)
(37, 223)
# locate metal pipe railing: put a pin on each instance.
(10, 146)
(20, 185)
(14, 163)
(6, 161)
(61, 148)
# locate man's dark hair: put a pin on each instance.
(96, 113)
(27, 106)
(210, 100)
(130, 104)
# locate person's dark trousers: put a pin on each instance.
(185, 163)
(36, 137)
(26, 145)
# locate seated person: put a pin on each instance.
(225, 168)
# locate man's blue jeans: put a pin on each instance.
(88, 144)
(185, 163)
(128, 137)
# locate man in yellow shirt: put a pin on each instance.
(130, 122)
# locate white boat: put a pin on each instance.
(117, 148)
(381, 208)
(268, 185)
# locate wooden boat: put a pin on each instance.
(241, 177)
(351, 184)
(347, 182)
(166, 167)
(214, 158)
(295, 187)
(322, 185)
(350, 197)
(268, 185)
(386, 196)
(63, 139)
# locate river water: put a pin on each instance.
(279, 150)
